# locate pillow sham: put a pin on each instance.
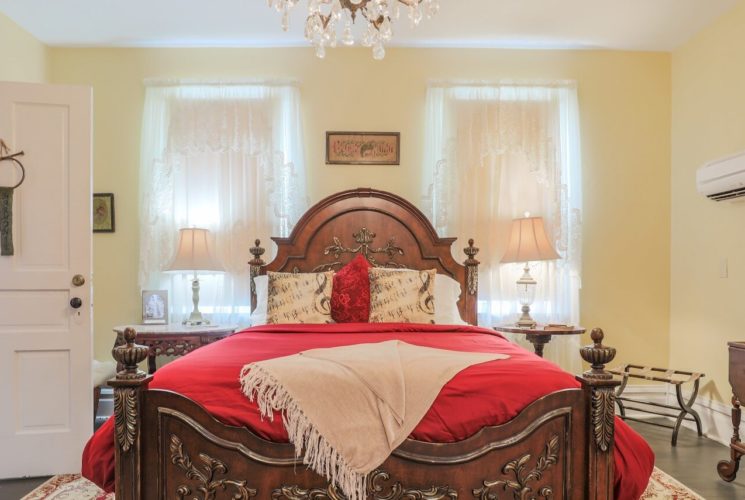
(350, 298)
(299, 297)
(402, 296)
(447, 291)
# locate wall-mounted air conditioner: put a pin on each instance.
(722, 179)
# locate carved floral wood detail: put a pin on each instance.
(295, 492)
(602, 417)
(520, 486)
(379, 488)
(125, 420)
(364, 239)
(208, 487)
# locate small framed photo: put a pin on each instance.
(363, 148)
(103, 213)
(155, 307)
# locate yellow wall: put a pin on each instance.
(22, 57)
(625, 111)
(708, 123)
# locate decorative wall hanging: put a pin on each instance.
(6, 201)
(363, 148)
(103, 212)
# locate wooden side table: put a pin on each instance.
(173, 340)
(728, 468)
(539, 336)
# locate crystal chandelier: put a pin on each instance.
(326, 16)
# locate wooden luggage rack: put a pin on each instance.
(673, 377)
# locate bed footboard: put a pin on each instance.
(559, 447)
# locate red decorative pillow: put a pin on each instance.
(350, 297)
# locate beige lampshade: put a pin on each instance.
(195, 252)
(528, 242)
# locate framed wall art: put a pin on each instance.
(155, 307)
(103, 213)
(363, 148)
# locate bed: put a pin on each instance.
(522, 430)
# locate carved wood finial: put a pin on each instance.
(129, 356)
(598, 356)
(255, 266)
(472, 267)
(257, 252)
(471, 251)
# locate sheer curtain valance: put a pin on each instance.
(226, 157)
(494, 152)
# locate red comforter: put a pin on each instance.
(493, 392)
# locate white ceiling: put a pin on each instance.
(612, 24)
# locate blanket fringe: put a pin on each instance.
(260, 386)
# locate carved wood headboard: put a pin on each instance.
(388, 230)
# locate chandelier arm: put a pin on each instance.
(353, 8)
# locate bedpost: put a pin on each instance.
(255, 265)
(128, 385)
(472, 282)
(598, 386)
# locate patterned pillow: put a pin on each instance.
(350, 299)
(299, 298)
(402, 296)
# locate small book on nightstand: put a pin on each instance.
(557, 326)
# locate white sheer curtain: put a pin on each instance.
(494, 152)
(226, 157)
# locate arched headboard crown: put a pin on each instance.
(388, 230)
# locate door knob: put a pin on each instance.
(75, 303)
(78, 280)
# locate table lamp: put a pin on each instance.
(528, 243)
(195, 254)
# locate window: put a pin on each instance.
(494, 152)
(226, 157)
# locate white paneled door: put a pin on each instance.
(46, 410)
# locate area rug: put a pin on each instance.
(661, 486)
(68, 487)
(664, 486)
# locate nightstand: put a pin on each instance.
(173, 340)
(539, 336)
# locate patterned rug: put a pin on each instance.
(73, 487)
(662, 485)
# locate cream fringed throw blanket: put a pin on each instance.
(349, 407)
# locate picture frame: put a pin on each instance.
(155, 307)
(363, 148)
(103, 213)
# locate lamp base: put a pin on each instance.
(525, 320)
(199, 322)
(195, 318)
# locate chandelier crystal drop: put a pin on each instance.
(330, 21)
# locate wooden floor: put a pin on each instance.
(693, 462)
(13, 489)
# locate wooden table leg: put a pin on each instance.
(538, 342)
(151, 363)
(727, 469)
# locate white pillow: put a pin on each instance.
(258, 316)
(447, 293)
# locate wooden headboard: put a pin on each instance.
(388, 230)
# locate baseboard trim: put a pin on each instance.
(716, 420)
